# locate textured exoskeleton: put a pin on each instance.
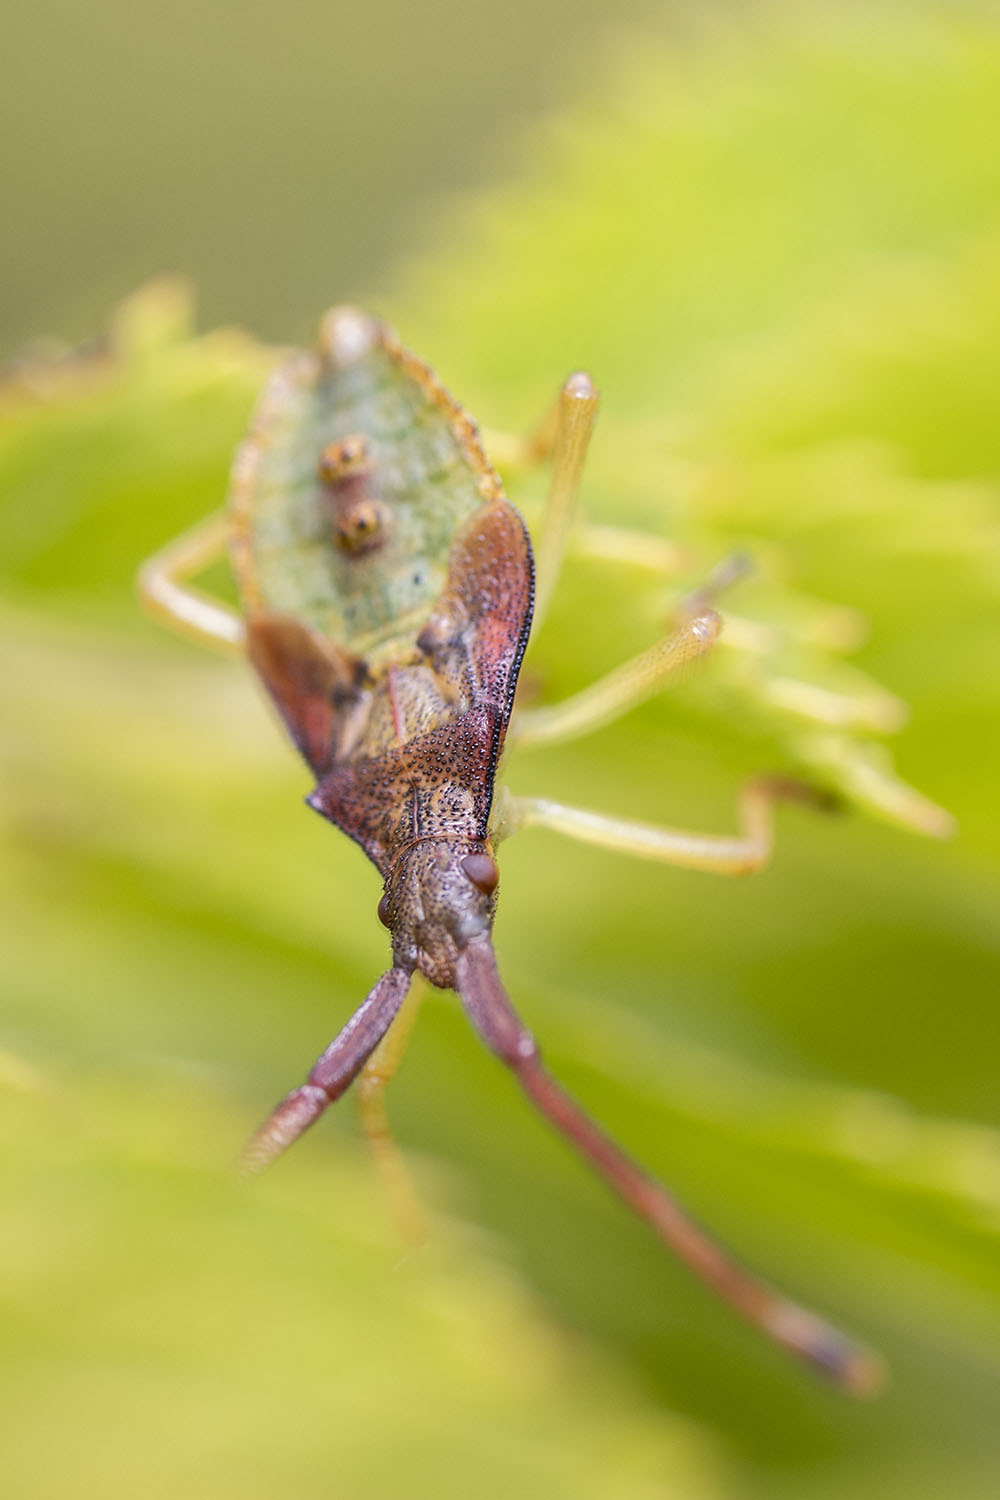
(387, 588)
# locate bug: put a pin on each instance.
(388, 587)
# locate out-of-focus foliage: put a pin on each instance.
(777, 247)
(275, 153)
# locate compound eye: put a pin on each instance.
(383, 910)
(482, 870)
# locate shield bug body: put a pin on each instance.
(387, 587)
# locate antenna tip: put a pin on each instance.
(296, 1112)
(856, 1370)
(868, 1374)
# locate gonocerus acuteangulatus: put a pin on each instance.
(388, 588)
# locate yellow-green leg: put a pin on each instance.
(635, 680)
(720, 854)
(164, 592)
(631, 549)
(576, 413)
(623, 689)
(376, 1075)
(563, 436)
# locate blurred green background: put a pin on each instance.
(774, 237)
(279, 155)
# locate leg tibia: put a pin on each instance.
(163, 593)
(376, 1075)
(564, 435)
(621, 690)
(718, 853)
(636, 549)
(632, 683)
(576, 413)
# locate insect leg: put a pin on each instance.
(576, 413)
(563, 436)
(719, 854)
(830, 627)
(623, 689)
(162, 591)
(331, 1074)
(641, 677)
(864, 773)
(514, 452)
(635, 549)
(851, 1366)
(865, 706)
(376, 1075)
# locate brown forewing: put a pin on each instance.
(440, 784)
